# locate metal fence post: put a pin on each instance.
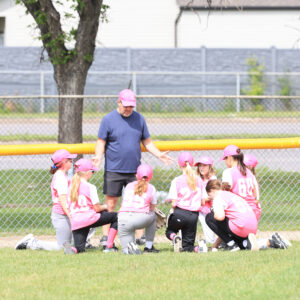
(42, 92)
(134, 87)
(238, 89)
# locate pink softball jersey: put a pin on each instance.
(185, 197)
(82, 211)
(59, 186)
(136, 203)
(242, 219)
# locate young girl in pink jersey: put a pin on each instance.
(238, 179)
(186, 193)
(276, 240)
(206, 171)
(86, 211)
(62, 163)
(137, 212)
(232, 218)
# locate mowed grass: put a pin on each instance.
(25, 206)
(270, 274)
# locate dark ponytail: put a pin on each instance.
(240, 158)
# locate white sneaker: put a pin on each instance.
(252, 242)
(202, 248)
(22, 245)
(177, 243)
(134, 249)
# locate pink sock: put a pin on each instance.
(74, 249)
(172, 235)
(196, 249)
(111, 237)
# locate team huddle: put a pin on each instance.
(228, 210)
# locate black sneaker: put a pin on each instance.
(276, 243)
(103, 241)
(141, 241)
(232, 248)
(285, 242)
(151, 250)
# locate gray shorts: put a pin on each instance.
(114, 182)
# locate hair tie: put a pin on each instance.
(54, 166)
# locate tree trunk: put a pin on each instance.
(70, 109)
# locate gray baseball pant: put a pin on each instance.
(128, 222)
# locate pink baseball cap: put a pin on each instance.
(61, 154)
(206, 160)
(144, 171)
(84, 165)
(127, 98)
(250, 160)
(185, 157)
(229, 151)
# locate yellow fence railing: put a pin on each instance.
(192, 145)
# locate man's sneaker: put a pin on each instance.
(276, 243)
(285, 241)
(22, 245)
(103, 241)
(252, 243)
(134, 249)
(232, 248)
(202, 247)
(177, 243)
(141, 241)
(68, 249)
(109, 250)
(150, 250)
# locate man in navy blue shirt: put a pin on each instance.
(120, 134)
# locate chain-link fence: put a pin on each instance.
(25, 203)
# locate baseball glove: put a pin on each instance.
(161, 218)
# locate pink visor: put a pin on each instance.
(185, 157)
(230, 150)
(84, 165)
(250, 160)
(144, 171)
(62, 154)
(127, 98)
(205, 160)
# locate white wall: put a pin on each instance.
(150, 23)
(139, 23)
(241, 29)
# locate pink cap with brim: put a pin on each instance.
(84, 165)
(127, 98)
(205, 160)
(229, 151)
(250, 160)
(144, 171)
(62, 154)
(185, 157)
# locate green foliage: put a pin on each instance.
(103, 13)
(257, 82)
(40, 17)
(285, 90)
(230, 106)
(88, 58)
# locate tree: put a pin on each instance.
(71, 64)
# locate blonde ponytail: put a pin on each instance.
(191, 177)
(141, 187)
(75, 186)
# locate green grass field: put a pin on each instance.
(270, 274)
